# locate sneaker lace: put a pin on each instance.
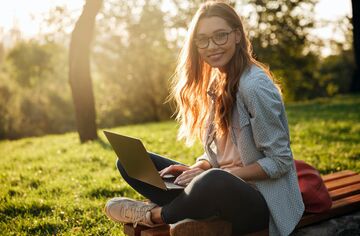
(135, 213)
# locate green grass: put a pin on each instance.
(53, 185)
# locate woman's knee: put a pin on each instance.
(213, 175)
(211, 179)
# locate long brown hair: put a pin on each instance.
(193, 77)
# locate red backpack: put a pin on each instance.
(315, 195)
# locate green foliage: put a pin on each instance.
(55, 185)
(31, 61)
(135, 63)
(280, 38)
(34, 93)
(336, 72)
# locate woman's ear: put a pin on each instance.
(237, 36)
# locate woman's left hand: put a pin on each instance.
(186, 176)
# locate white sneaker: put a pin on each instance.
(126, 210)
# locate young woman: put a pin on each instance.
(228, 100)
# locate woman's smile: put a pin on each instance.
(215, 56)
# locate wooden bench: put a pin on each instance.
(344, 189)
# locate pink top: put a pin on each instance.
(228, 156)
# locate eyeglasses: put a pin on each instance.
(219, 38)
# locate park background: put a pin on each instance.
(109, 65)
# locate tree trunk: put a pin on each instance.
(79, 71)
(355, 83)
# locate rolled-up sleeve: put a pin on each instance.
(269, 125)
(203, 157)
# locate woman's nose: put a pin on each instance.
(212, 44)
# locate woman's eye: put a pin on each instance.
(220, 35)
(202, 40)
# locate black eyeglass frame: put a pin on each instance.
(212, 39)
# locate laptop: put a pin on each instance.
(137, 162)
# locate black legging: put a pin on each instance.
(214, 192)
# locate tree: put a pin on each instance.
(280, 39)
(79, 71)
(355, 84)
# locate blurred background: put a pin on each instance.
(308, 45)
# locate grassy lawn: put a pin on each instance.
(53, 185)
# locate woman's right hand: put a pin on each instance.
(173, 170)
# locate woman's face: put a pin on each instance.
(213, 32)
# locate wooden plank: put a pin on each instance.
(345, 191)
(343, 182)
(338, 175)
(339, 207)
(355, 200)
(131, 231)
(158, 231)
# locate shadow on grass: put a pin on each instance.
(104, 145)
(33, 210)
(44, 228)
(108, 193)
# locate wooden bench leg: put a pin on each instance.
(140, 230)
(158, 231)
(129, 230)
